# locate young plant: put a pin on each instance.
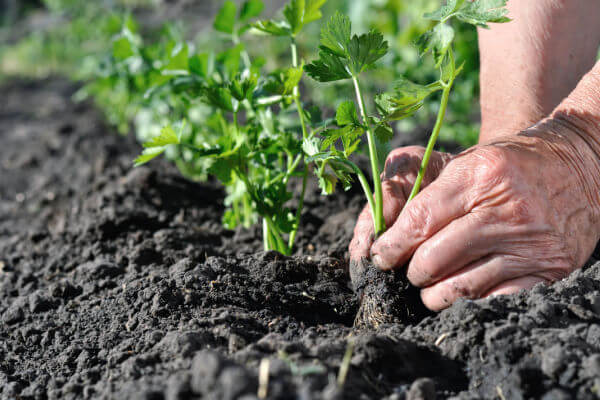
(343, 56)
(252, 151)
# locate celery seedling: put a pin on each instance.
(344, 56)
(252, 153)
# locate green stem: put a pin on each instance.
(298, 216)
(377, 208)
(279, 244)
(432, 139)
(265, 229)
(294, 231)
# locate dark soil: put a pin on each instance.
(120, 283)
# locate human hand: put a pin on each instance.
(500, 217)
(400, 172)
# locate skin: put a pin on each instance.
(523, 206)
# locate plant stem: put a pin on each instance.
(298, 216)
(377, 208)
(432, 139)
(265, 229)
(294, 231)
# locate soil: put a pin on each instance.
(120, 283)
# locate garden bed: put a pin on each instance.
(121, 283)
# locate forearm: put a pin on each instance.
(531, 64)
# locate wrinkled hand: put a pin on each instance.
(398, 177)
(500, 217)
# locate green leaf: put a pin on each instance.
(272, 28)
(230, 61)
(299, 13)
(365, 50)
(199, 64)
(335, 36)
(346, 114)
(449, 70)
(384, 133)
(122, 48)
(242, 87)
(218, 97)
(251, 9)
(148, 155)
(310, 146)
(292, 79)
(445, 11)
(407, 93)
(167, 136)
(178, 59)
(327, 183)
(343, 56)
(348, 134)
(225, 19)
(481, 12)
(436, 40)
(328, 68)
(157, 145)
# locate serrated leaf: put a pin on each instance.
(365, 50)
(167, 136)
(271, 27)
(393, 111)
(342, 55)
(481, 12)
(346, 114)
(327, 68)
(292, 79)
(449, 70)
(218, 97)
(445, 11)
(311, 147)
(347, 134)
(122, 48)
(407, 93)
(148, 155)
(335, 36)
(251, 9)
(384, 133)
(225, 19)
(327, 183)
(436, 40)
(242, 87)
(299, 13)
(199, 64)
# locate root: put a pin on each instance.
(385, 297)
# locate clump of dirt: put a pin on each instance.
(384, 296)
(121, 283)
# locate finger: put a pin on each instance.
(431, 210)
(471, 283)
(514, 285)
(393, 201)
(458, 244)
(363, 235)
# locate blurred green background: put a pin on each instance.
(39, 38)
